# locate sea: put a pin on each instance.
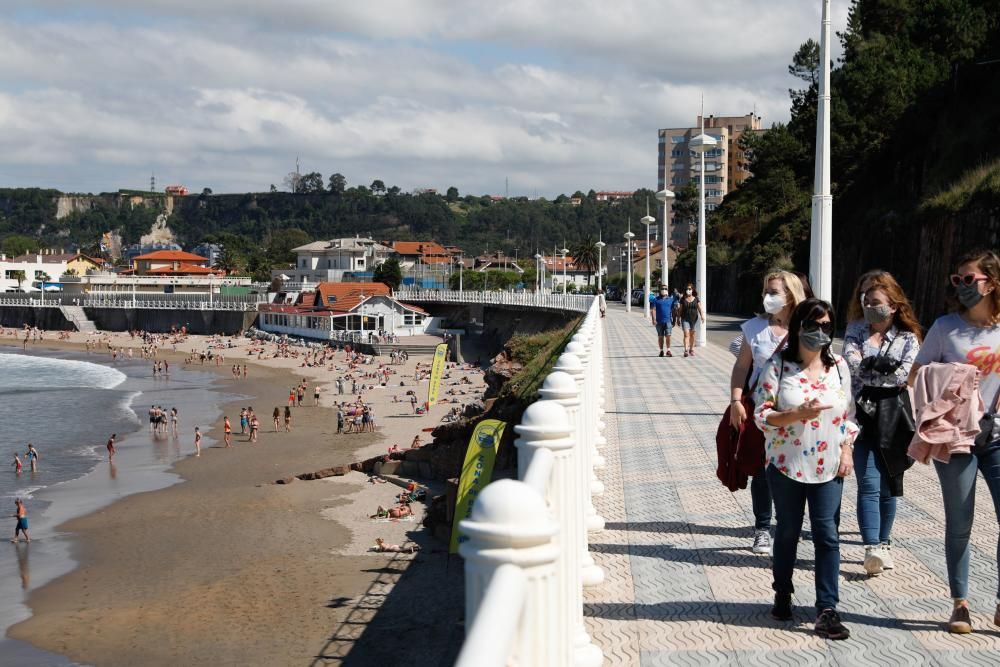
(67, 404)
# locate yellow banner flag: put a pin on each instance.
(437, 370)
(476, 472)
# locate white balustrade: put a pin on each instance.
(526, 556)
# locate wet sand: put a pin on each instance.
(229, 568)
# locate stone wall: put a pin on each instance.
(49, 319)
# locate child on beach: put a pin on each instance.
(227, 431)
(197, 441)
(111, 446)
(22, 521)
(17, 464)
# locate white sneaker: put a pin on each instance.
(874, 563)
(761, 542)
(887, 562)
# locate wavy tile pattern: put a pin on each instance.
(682, 586)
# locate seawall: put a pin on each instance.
(155, 320)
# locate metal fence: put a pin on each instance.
(574, 302)
(526, 553)
(156, 302)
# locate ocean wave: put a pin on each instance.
(22, 372)
(24, 493)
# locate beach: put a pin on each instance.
(228, 567)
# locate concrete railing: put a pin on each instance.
(526, 552)
(574, 302)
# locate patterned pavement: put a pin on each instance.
(682, 586)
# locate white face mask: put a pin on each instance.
(688, 292)
(773, 303)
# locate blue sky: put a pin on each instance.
(555, 96)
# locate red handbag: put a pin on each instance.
(740, 451)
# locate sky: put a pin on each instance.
(548, 96)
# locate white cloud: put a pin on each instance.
(559, 97)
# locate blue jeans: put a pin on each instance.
(790, 498)
(876, 505)
(958, 488)
(760, 496)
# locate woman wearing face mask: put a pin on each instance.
(880, 346)
(691, 314)
(970, 336)
(805, 410)
(761, 337)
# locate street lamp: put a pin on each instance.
(564, 252)
(821, 229)
(628, 275)
(648, 220)
(665, 196)
(539, 279)
(701, 144)
(461, 265)
(600, 259)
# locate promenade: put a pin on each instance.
(682, 586)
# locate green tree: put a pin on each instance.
(206, 192)
(20, 278)
(311, 183)
(279, 248)
(16, 244)
(390, 273)
(378, 187)
(337, 184)
(229, 261)
(452, 194)
(585, 256)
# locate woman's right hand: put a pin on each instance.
(737, 415)
(810, 410)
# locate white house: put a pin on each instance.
(343, 307)
(334, 261)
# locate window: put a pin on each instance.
(412, 319)
(678, 180)
(679, 166)
(678, 153)
(678, 139)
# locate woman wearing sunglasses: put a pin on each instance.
(970, 336)
(805, 410)
(880, 346)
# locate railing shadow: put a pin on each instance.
(411, 614)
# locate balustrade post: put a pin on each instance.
(569, 364)
(548, 424)
(510, 525)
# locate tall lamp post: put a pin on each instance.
(665, 196)
(600, 260)
(564, 252)
(647, 220)
(821, 230)
(461, 265)
(628, 275)
(702, 144)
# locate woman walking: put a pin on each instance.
(762, 336)
(969, 336)
(288, 419)
(276, 417)
(691, 315)
(805, 410)
(880, 346)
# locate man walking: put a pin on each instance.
(661, 312)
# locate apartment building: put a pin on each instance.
(726, 167)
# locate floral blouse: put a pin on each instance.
(900, 345)
(806, 451)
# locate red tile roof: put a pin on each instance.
(346, 296)
(171, 256)
(418, 248)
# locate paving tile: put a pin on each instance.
(682, 587)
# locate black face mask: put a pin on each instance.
(968, 295)
(815, 340)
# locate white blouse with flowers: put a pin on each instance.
(806, 451)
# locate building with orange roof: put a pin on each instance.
(335, 308)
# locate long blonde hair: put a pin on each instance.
(792, 285)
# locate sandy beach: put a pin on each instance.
(230, 568)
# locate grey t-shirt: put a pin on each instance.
(953, 340)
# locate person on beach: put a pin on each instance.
(227, 432)
(276, 416)
(173, 420)
(152, 418)
(32, 456)
(300, 396)
(254, 427)
(197, 441)
(22, 521)
(244, 421)
(413, 402)
(111, 446)
(316, 396)
(340, 419)
(17, 464)
(288, 419)
(244, 371)
(291, 396)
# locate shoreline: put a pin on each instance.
(291, 550)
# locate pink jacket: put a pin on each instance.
(947, 408)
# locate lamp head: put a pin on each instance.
(665, 195)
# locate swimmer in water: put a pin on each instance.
(32, 456)
(17, 464)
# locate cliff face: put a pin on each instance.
(66, 205)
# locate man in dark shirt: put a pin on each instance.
(661, 312)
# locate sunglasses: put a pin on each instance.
(967, 279)
(813, 325)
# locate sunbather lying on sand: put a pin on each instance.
(382, 547)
